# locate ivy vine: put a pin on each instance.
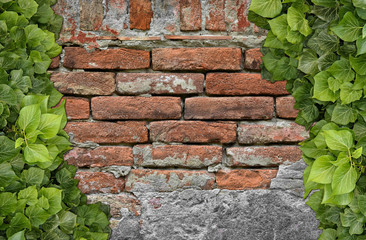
(319, 47)
(39, 198)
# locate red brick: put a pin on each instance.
(229, 108)
(193, 132)
(108, 132)
(285, 107)
(100, 157)
(186, 156)
(55, 62)
(136, 108)
(271, 132)
(243, 179)
(145, 180)
(77, 108)
(190, 15)
(236, 15)
(242, 84)
(99, 182)
(253, 59)
(196, 59)
(117, 202)
(159, 83)
(262, 156)
(120, 58)
(91, 14)
(215, 20)
(140, 14)
(84, 83)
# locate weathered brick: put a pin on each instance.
(120, 58)
(77, 108)
(136, 108)
(140, 14)
(196, 59)
(166, 15)
(229, 108)
(253, 59)
(55, 62)
(271, 132)
(197, 37)
(193, 132)
(215, 19)
(99, 182)
(243, 179)
(242, 84)
(108, 132)
(116, 16)
(285, 107)
(236, 15)
(186, 156)
(267, 156)
(91, 14)
(117, 202)
(84, 83)
(100, 157)
(159, 83)
(144, 180)
(190, 15)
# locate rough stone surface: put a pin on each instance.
(91, 14)
(229, 108)
(99, 182)
(262, 156)
(140, 14)
(147, 180)
(271, 132)
(253, 59)
(193, 132)
(196, 58)
(219, 215)
(236, 15)
(190, 15)
(186, 156)
(159, 83)
(215, 18)
(242, 84)
(285, 107)
(84, 83)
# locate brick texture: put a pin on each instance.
(196, 59)
(190, 15)
(269, 132)
(100, 157)
(55, 62)
(84, 83)
(159, 83)
(243, 179)
(215, 20)
(186, 156)
(253, 59)
(119, 58)
(229, 108)
(141, 14)
(77, 108)
(99, 182)
(285, 107)
(108, 132)
(110, 108)
(193, 132)
(143, 180)
(242, 84)
(262, 156)
(91, 14)
(236, 12)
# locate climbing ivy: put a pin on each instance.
(39, 198)
(319, 47)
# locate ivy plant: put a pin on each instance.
(39, 198)
(319, 48)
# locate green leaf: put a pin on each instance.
(37, 215)
(328, 234)
(19, 142)
(362, 203)
(360, 130)
(284, 70)
(18, 223)
(17, 236)
(30, 194)
(359, 3)
(314, 201)
(325, 3)
(273, 42)
(342, 70)
(344, 179)
(67, 222)
(348, 29)
(344, 114)
(326, 60)
(341, 140)
(348, 94)
(29, 7)
(297, 22)
(349, 219)
(7, 95)
(34, 153)
(29, 118)
(7, 175)
(266, 8)
(49, 125)
(279, 27)
(361, 45)
(8, 203)
(322, 170)
(308, 62)
(330, 198)
(358, 64)
(54, 197)
(7, 149)
(325, 13)
(42, 100)
(334, 84)
(322, 91)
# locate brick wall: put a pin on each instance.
(166, 95)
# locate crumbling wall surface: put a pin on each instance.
(173, 125)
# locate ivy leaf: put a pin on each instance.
(322, 170)
(8, 203)
(30, 194)
(326, 60)
(29, 118)
(54, 197)
(33, 176)
(7, 95)
(358, 64)
(341, 69)
(361, 45)
(279, 27)
(348, 94)
(359, 3)
(362, 203)
(29, 7)
(308, 62)
(34, 153)
(334, 83)
(7, 149)
(266, 8)
(325, 13)
(273, 42)
(360, 130)
(348, 29)
(325, 3)
(17, 223)
(17, 236)
(349, 219)
(49, 125)
(322, 91)
(315, 201)
(329, 198)
(344, 179)
(344, 114)
(37, 215)
(328, 234)
(67, 222)
(284, 70)
(341, 140)
(7, 175)
(297, 22)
